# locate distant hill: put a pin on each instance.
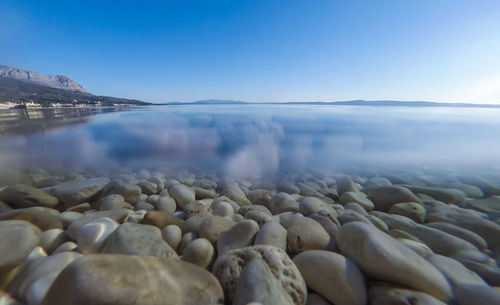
(383, 103)
(19, 86)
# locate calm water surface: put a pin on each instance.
(252, 140)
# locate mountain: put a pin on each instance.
(52, 81)
(20, 87)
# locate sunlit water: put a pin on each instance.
(252, 140)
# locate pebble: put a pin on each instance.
(182, 194)
(357, 197)
(125, 279)
(91, 236)
(25, 196)
(51, 239)
(212, 226)
(199, 252)
(272, 234)
(229, 268)
(383, 197)
(385, 295)
(138, 239)
(238, 236)
(20, 238)
(386, 259)
(412, 210)
(172, 234)
(306, 234)
(129, 192)
(77, 191)
(320, 269)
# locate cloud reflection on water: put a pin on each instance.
(249, 141)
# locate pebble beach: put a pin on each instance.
(162, 236)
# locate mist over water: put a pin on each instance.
(252, 141)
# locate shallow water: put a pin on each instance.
(251, 141)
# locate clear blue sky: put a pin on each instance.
(267, 50)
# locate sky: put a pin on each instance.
(263, 50)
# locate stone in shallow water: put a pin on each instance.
(305, 234)
(387, 295)
(414, 211)
(77, 191)
(130, 192)
(212, 226)
(182, 194)
(384, 197)
(92, 235)
(103, 279)
(199, 252)
(172, 234)
(238, 236)
(18, 239)
(272, 234)
(384, 258)
(457, 231)
(229, 267)
(321, 269)
(138, 239)
(25, 196)
(486, 205)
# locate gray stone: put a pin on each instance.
(18, 239)
(25, 196)
(77, 191)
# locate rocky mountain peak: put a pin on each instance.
(53, 81)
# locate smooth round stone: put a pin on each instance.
(459, 232)
(125, 280)
(238, 236)
(6, 299)
(118, 215)
(39, 268)
(357, 197)
(182, 194)
(51, 239)
(130, 192)
(307, 234)
(92, 235)
(211, 227)
(282, 202)
(486, 205)
(418, 247)
(148, 187)
(386, 259)
(260, 196)
(378, 223)
(199, 252)
(412, 210)
(328, 221)
(235, 193)
(306, 190)
(441, 194)
(165, 203)
(68, 217)
(244, 210)
(272, 234)
(172, 234)
(356, 208)
(193, 223)
(201, 193)
(350, 216)
(384, 197)
(37, 291)
(195, 207)
(185, 240)
(67, 246)
(143, 205)
(454, 271)
(77, 191)
(138, 239)
(384, 295)
(260, 217)
(25, 196)
(237, 217)
(286, 218)
(440, 242)
(290, 285)
(43, 218)
(322, 268)
(222, 209)
(491, 274)
(109, 202)
(19, 238)
(345, 184)
(161, 219)
(309, 205)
